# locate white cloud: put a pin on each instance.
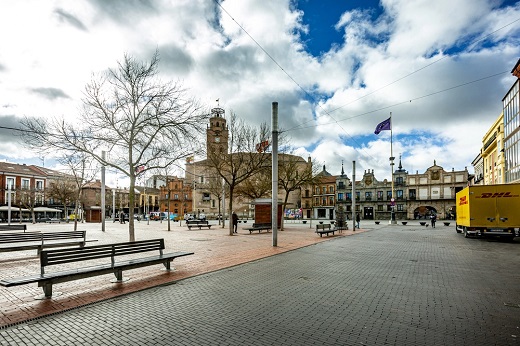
(413, 51)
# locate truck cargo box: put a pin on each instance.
(488, 210)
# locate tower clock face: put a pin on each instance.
(217, 139)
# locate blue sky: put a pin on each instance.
(321, 18)
(440, 67)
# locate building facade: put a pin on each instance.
(493, 153)
(511, 108)
(415, 196)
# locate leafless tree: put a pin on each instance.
(242, 161)
(294, 173)
(83, 171)
(26, 197)
(258, 186)
(214, 186)
(142, 123)
(63, 190)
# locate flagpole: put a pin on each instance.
(392, 200)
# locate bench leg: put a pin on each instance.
(119, 276)
(47, 291)
(168, 266)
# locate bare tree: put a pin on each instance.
(242, 161)
(258, 186)
(294, 173)
(143, 123)
(83, 171)
(63, 190)
(26, 196)
(214, 186)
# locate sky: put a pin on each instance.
(337, 68)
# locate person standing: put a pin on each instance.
(234, 218)
(358, 219)
(433, 218)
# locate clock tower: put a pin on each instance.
(217, 133)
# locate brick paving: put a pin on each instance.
(214, 249)
(392, 285)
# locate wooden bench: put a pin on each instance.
(324, 229)
(89, 253)
(198, 223)
(39, 241)
(266, 226)
(18, 227)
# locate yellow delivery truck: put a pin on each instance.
(488, 210)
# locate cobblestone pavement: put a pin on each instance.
(393, 285)
(214, 249)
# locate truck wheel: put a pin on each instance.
(457, 229)
(466, 235)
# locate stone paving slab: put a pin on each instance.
(393, 285)
(214, 249)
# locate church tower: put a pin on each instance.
(217, 133)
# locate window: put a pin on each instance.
(25, 183)
(400, 207)
(380, 207)
(368, 196)
(331, 189)
(322, 212)
(379, 195)
(331, 200)
(340, 196)
(349, 196)
(341, 185)
(9, 183)
(317, 190)
(411, 194)
(400, 194)
(388, 195)
(399, 181)
(324, 190)
(324, 201)
(307, 193)
(316, 201)
(39, 184)
(358, 195)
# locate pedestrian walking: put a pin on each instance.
(433, 218)
(358, 219)
(121, 217)
(234, 218)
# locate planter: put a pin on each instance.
(321, 222)
(446, 224)
(404, 222)
(422, 223)
(304, 222)
(377, 222)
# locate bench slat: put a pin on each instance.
(69, 255)
(69, 275)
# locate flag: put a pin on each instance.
(384, 125)
(139, 169)
(262, 146)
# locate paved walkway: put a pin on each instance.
(393, 285)
(214, 249)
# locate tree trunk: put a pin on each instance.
(131, 206)
(230, 210)
(284, 205)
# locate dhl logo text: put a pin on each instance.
(463, 200)
(496, 195)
